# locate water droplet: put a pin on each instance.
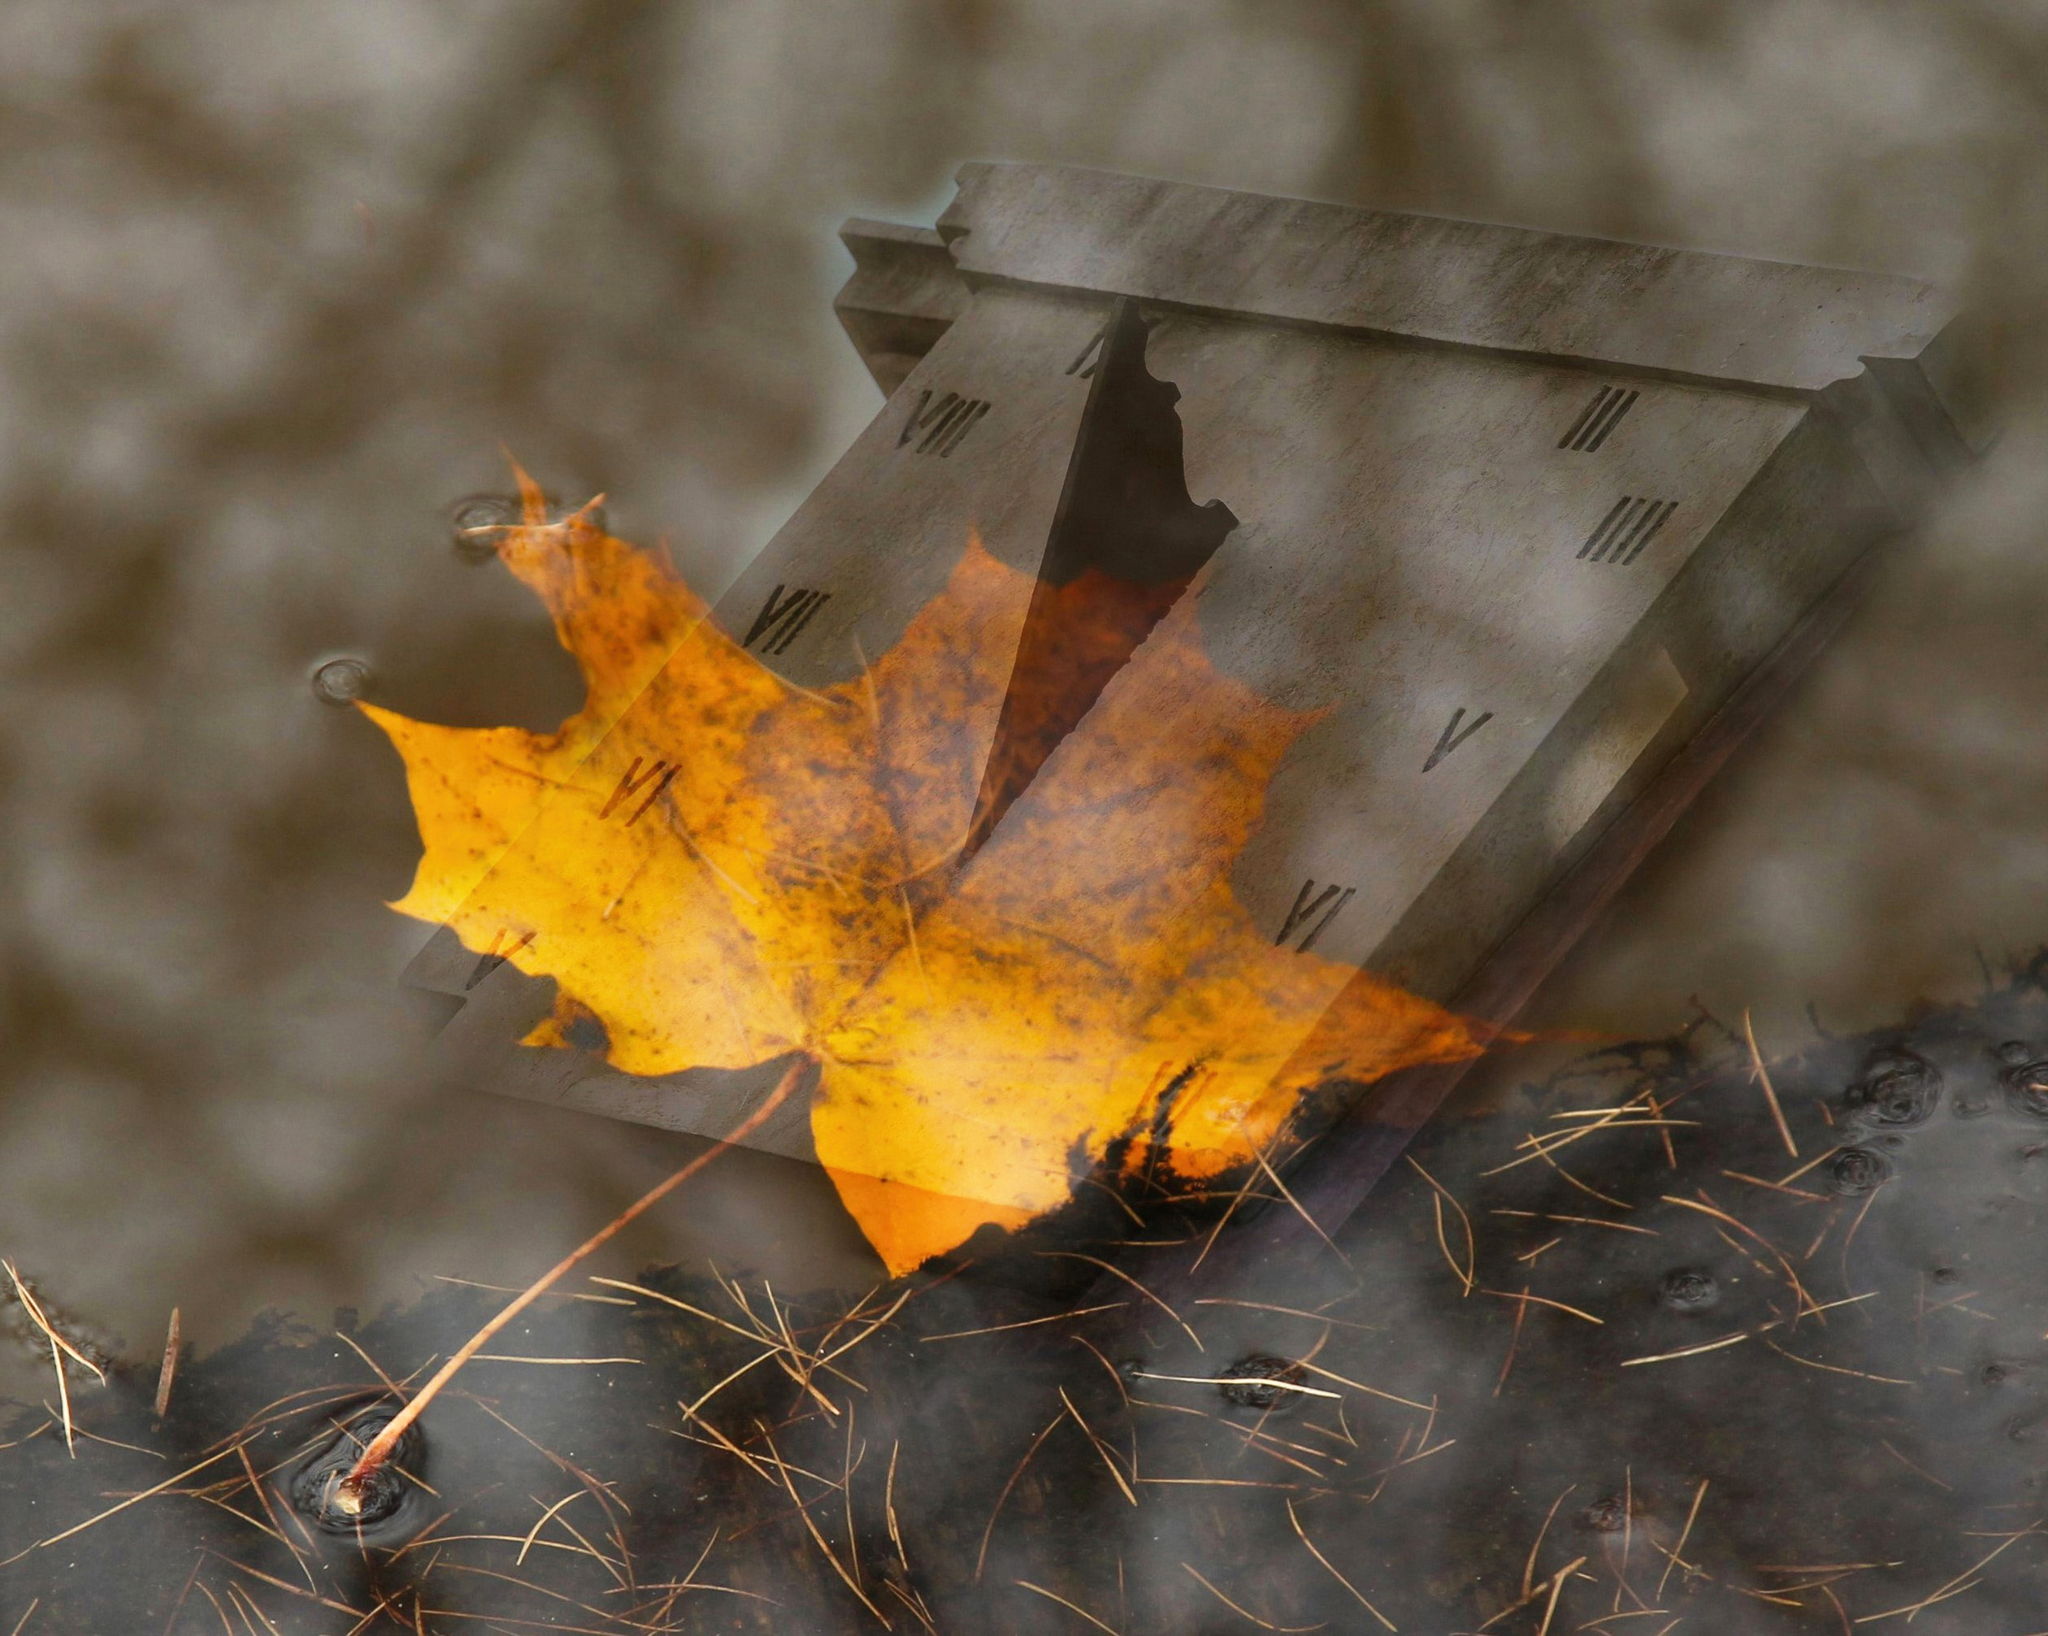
(341, 681)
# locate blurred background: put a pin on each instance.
(281, 282)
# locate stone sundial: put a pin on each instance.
(1541, 523)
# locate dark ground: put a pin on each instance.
(1534, 1414)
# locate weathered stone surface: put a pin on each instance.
(1519, 511)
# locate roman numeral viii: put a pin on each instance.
(944, 423)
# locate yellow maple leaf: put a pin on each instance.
(723, 868)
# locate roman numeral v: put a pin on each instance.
(1452, 737)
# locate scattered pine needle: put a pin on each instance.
(889, 1507)
(133, 1499)
(1239, 1609)
(1544, 1301)
(533, 1533)
(169, 1370)
(559, 1295)
(1557, 1584)
(1964, 1581)
(1917, 1471)
(1535, 1550)
(1101, 1448)
(60, 1349)
(1229, 1380)
(1023, 1323)
(1685, 1534)
(1686, 1352)
(1816, 1161)
(349, 1491)
(1507, 1364)
(1118, 1272)
(988, 1533)
(1267, 1306)
(1069, 1606)
(1763, 1078)
(1775, 1187)
(1331, 1569)
(1442, 1194)
(803, 1511)
(1360, 1386)
(1834, 1368)
(1584, 1221)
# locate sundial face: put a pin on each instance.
(1477, 495)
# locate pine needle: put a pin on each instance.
(1069, 1606)
(1330, 1568)
(348, 1493)
(60, 1349)
(169, 1371)
(1763, 1078)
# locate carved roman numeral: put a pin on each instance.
(1086, 359)
(1452, 737)
(944, 423)
(782, 618)
(496, 957)
(1598, 419)
(1629, 525)
(658, 773)
(1087, 355)
(1308, 903)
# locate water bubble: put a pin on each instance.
(1689, 1289)
(341, 681)
(1248, 1382)
(1897, 1088)
(2013, 1053)
(316, 1485)
(1858, 1170)
(1606, 1515)
(477, 520)
(2026, 1088)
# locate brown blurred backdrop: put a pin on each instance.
(280, 281)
